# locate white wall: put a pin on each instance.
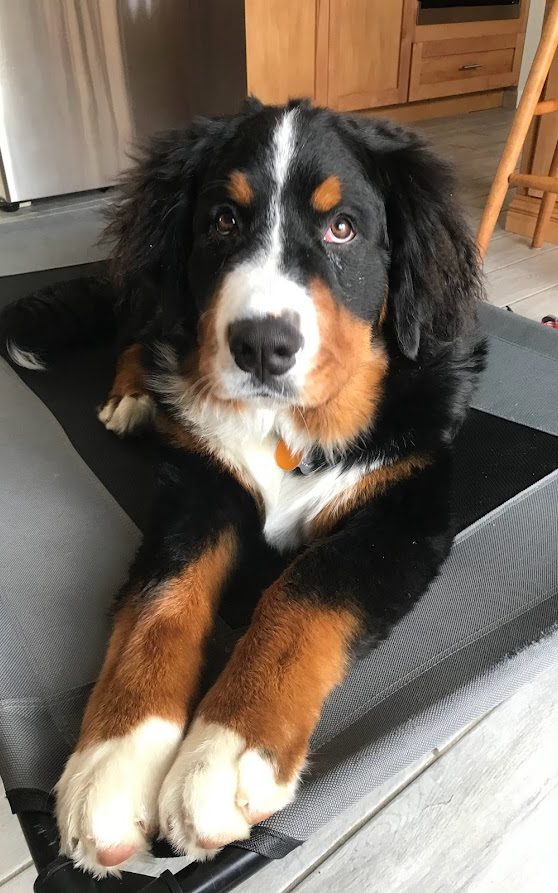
(534, 27)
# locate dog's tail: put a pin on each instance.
(38, 327)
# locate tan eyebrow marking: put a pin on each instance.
(239, 188)
(327, 195)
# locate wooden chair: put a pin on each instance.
(529, 107)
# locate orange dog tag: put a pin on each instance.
(284, 458)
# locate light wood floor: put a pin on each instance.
(480, 814)
(516, 275)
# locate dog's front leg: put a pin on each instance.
(141, 703)
(128, 408)
(244, 752)
(249, 740)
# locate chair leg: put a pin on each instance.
(521, 123)
(547, 206)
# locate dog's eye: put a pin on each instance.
(225, 222)
(341, 230)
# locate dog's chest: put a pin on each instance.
(247, 442)
(291, 500)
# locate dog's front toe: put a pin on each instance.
(216, 790)
(127, 414)
(106, 799)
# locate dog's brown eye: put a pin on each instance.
(341, 230)
(225, 222)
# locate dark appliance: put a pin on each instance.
(436, 12)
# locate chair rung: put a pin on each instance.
(546, 107)
(532, 181)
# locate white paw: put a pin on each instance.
(124, 415)
(216, 790)
(106, 800)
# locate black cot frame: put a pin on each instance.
(57, 874)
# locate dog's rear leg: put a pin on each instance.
(128, 407)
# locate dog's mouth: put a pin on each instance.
(249, 387)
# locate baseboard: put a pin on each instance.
(510, 99)
(440, 108)
(522, 217)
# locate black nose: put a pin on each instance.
(264, 346)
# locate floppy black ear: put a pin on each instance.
(434, 279)
(150, 222)
(154, 203)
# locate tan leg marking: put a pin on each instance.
(241, 759)
(154, 655)
(107, 797)
(128, 407)
(272, 689)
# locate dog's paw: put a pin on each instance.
(216, 790)
(128, 414)
(106, 799)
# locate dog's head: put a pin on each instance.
(299, 248)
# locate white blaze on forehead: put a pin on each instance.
(261, 286)
(283, 148)
(284, 137)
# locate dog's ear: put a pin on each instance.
(434, 278)
(150, 224)
(151, 218)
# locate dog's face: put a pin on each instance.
(303, 253)
(289, 261)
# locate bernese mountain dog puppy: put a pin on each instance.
(296, 294)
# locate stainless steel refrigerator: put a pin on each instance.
(80, 80)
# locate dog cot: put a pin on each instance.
(73, 501)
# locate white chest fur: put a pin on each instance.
(246, 439)
(291, 500)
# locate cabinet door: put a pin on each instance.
(280, 49)
(369, 53)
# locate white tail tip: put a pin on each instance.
(24, 358)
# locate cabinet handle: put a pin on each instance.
(471, 66)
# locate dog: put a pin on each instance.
(295, 292)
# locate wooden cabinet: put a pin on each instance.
(448, 67)
(369, 52)
(466, 57)
(365, 54)
(280, 49)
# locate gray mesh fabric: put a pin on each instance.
(65, 547)
(521, 379)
